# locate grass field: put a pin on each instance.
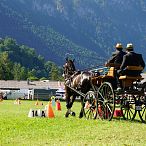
(16, 129)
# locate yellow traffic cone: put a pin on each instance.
(37, 102)
(41, 103)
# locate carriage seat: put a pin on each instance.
(131, 78)
(128, 80)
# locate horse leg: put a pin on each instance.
(67, 95)
(82, 108)
(85, 88)
(69, 103)
(69, 112)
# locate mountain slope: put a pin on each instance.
(88, 29)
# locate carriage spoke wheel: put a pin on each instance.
(142, 110)
(105, 101)
(128, 107)
(89, 105)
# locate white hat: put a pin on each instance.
(129, 46)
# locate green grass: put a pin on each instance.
(16, 129)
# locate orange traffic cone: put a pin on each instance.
(58, 105)
(37, 103)
(50, 111)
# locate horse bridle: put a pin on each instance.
(68, 70)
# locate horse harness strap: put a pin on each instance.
(80, 93)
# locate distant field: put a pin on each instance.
(16, 129)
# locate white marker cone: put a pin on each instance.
(46, 110)
(31, 113)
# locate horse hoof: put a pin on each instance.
(67, 114)
(81, 115)
(73, 114)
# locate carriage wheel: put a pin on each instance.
(128, 107)
(105, 101)
(142, 110)
(89, 105)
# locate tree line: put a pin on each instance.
(19, 62)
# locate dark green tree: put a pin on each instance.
(54, 72)
(5, 67)
(19, 72)
(16, 71)
(21, 62)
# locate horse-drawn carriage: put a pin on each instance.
(101, 98)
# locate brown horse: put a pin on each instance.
(76, 82)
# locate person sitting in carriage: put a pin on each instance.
(117, 57)
(115, 61)
(131, 59)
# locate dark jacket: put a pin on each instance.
(117, 57)
(132, 59)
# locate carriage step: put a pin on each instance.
(132, 92)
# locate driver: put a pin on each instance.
(116, 61)
(117, 56)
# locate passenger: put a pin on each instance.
(131, 59)
(117, 56)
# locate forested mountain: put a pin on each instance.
(19, 62)
(86, 28)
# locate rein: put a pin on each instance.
(80, 93)
(91, 68)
